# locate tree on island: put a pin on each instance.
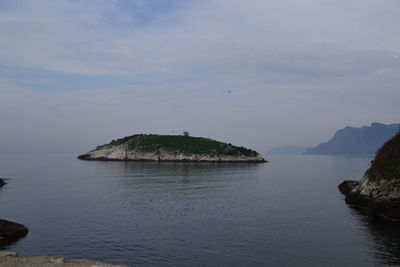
(185, 133)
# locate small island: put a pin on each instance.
(153, 147)
(378, 192)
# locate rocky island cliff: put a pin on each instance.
(378, 192)
(152, 147)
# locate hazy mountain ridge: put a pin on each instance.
(357, 141)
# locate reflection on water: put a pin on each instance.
(384, 236)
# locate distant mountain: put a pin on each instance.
(357, 141)
(288, 150)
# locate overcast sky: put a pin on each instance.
(259, 73)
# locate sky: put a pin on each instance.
(259, 73)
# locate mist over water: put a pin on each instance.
(287, 212)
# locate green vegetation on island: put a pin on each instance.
(386, 164)
(182, 144)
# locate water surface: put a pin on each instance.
(287, 212)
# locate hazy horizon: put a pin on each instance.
(262, 74)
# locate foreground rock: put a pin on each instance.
(378, 192)
(171, 148)
(11, 232)
(10, 259)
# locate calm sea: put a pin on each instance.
(287, 212)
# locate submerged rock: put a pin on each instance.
(11, 232)
(378, 192)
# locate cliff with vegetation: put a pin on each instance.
(365, 140)
(151, 147)
(378, 192)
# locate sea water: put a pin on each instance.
(287, 212)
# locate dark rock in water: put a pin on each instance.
(346, 186)
(378, 192)
(84, 157)
(11, 232)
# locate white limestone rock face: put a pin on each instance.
(378, 197)
(377, 189)
(122, 153)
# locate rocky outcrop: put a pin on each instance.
(11, 231)
(10, 259)
(378, 192)
(122, 153)
(376, 198)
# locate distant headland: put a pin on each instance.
(153, 147)
(365, 140)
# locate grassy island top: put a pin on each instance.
(180, 144)
(386, 164)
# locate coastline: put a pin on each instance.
(363, 196)
(81, 157)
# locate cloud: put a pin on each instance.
(100, 37)
(119, 67)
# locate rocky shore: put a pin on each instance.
(10, 259)
(378, 192)
(379, 199)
